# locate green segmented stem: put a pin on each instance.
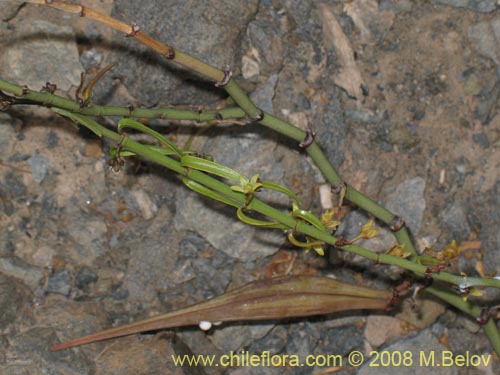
(242, 100)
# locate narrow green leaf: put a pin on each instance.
(281, 189)
(211, 167)
(83, 120)
(258, 223)
(307, 216)
(200, 189)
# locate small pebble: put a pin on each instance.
(204, 325)
(60, 283)
(90, 58)
(39, 167)
(146, 205)
(52, 139)
(84, 277)
(481, 139)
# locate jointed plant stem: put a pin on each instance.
(49, 99)
(237, 94)
(302, 227)
(279, 216)
(266, 119)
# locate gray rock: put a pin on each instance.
(75, 319)
(407, 200)
(147, 206)
(426, 312)
(396, 5)
(91, 58)
(299, 10)
(39, 167)
(133, 355)
(13, 185)
(275, 341)
(71, 319)
(28, 351)
(151, 260)
(213, 38)
(15, 267)
(52, 139)
(60, 283)
(381, 329)
(220, 226)
(484, 6)
(483, 36)
(340, 340)
(424, 343)
(267, 38)
(303, 338)
(481, 139)
(263, 94)
(7, 133)
(488, 218)
(234, 337)
(84, 277)
(43, 42)
(8, 9)
(455, 221)
(14, 296)
(88, 234)
(486, 108)
(209, 276)
(331, 128)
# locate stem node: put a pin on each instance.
(227, 77)
(308, 140)
(397, 223)
(134, 29)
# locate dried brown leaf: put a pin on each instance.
(283, 297)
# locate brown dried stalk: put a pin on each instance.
(278, 298)
(134, 31)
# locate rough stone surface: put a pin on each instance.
(39, 167)
(426, 312)
(43, 42)
(407, 199)
(455, 221)
(83, 249)
(213, 38)
(376, 336)
(485, 6)
(135, 356)
(60, 283)
(426, 340)
(151, 258)
(483, 36)
(8, 9)
(14, 295)
(12, 266)
(6, 133)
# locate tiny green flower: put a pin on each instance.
(398, 250)
(327, 220)
(369, 230)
